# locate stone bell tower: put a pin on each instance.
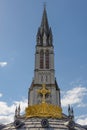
(44, 72)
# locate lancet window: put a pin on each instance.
(47, 59)
(41, 59)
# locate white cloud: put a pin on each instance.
(6, 119)
(74, 96)
(82, 120)
(0, 94)
(7, 112)
(82, 105)
(3, 64)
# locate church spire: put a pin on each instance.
(44, 34)
(44, 23)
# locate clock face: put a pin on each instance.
(44, 123)
(71, 124)
(18, 123)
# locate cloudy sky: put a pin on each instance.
(19, 21)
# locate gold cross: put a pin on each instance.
(43, 91)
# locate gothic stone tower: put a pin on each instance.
(44, 72)
(44, 110)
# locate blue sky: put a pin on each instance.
(19, 22)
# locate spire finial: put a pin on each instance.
(44, 5)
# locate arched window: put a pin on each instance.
(47, 59)
(41, 59)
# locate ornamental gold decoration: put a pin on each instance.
(43, 109)
(44, 91)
